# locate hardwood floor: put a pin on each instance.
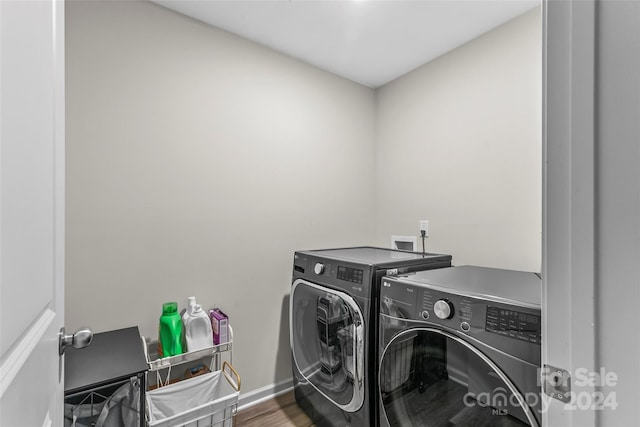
(281, 411)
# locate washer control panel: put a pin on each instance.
(350, 277)
(350, 274)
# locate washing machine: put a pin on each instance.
(460, 346)
(333, 328)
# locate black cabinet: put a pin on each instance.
(98, 376)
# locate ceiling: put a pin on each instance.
(368, 41)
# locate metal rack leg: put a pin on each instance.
(143, 388)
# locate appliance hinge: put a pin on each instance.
(556, 383)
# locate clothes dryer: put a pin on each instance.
(460, 346)
(333, 328)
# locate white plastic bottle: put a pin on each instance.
(197, 327)
(191, 302)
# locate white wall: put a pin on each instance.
(459, 144)
(197, 162)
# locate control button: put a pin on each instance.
(443, 309)
(425, 315)
(318, 268)
(465, 326)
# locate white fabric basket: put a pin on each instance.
(206, 400)
(396, 366)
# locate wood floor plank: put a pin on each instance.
(281, 411)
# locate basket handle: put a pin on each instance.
(227, 370)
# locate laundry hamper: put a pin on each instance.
(208, 400)
(396, 365)
(108, 406)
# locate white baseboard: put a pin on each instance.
(247, 400)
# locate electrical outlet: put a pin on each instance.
(424, 227)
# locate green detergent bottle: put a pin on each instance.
(170, 331)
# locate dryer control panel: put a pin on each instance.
(514, 324)
(504, 326)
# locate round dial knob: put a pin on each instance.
(318, 268)
(443, 309)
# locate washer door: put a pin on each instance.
(429, 377)
(327, 343)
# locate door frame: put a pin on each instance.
(569, 223)
(591, 207)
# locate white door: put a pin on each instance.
(31, 211)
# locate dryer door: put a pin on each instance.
(429, 377)
(327, 343)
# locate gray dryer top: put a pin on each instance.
(493, 284)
